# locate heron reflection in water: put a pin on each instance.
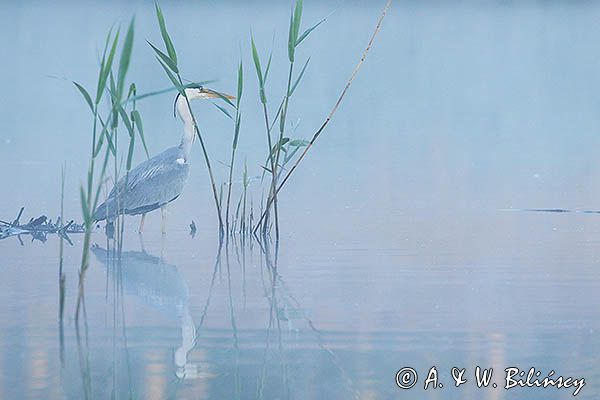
(158, 181)
(161, 286)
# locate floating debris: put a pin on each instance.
(38, 228)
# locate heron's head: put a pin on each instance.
(196, 93)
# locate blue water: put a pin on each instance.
(397, 248)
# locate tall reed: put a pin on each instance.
(272, 199)
(236, 134)
(104, 135)
(61, 274)
(295, 38)
(169, 63)
(262, 79)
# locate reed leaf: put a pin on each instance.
(291, 40)
(111, 144)
(106, 43)
(174, 80)
(130, 152)
(100, 139)
(259, 74)
(225, 99)
(165, 58)
(282, 119)
(105, 68)
(268, 65)
(299, 143)
(293, 88)
(223, 110)
(135, 116)
(283, 141)
(256, 60)
(104, 133)
(236, 135)
(290, 154)
(85, 94)
(165, 34)
(125, 55)
(309, 30)
(295, 19)
(240, 85)
(125, 119)
(114, 100)
(276, 147)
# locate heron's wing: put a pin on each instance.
(154, 182)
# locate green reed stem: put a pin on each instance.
(282, 120)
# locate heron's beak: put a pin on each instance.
(213, 94)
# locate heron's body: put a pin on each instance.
(158, 181)
(149, 186)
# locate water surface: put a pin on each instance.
(396, 247)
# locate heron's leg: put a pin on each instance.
(141, 228)
(163, 213)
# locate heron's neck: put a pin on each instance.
(187, 139)
(188, 126)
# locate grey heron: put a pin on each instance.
(158, 181)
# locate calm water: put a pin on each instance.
(396, 247)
